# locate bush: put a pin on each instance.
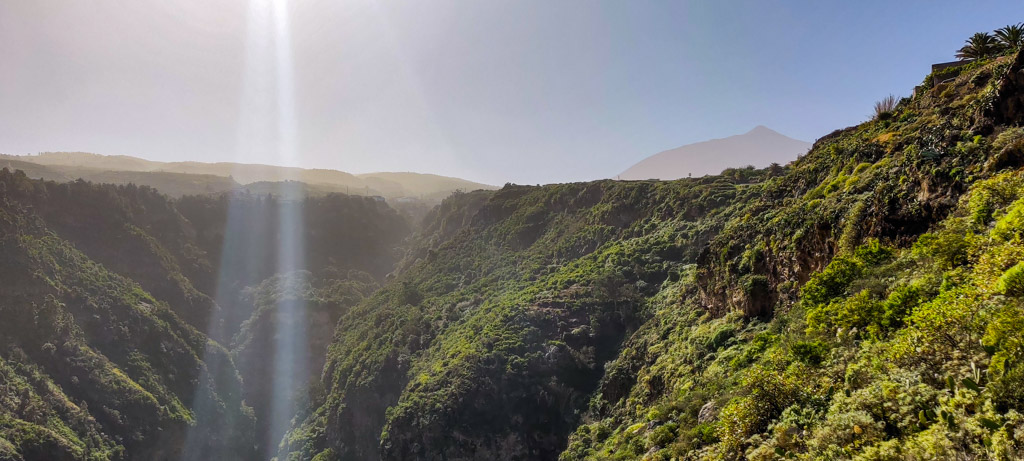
(1012, 138)
(704, 434)
(1011, 283)
(991, 194)
(1010, 225)
(884, 108)
(810, 352)
(831, 282)
(1007, 150)
(873, 252)
(947, 247)
(663, 435)
(860, 312)
(899, 304)
(755, 285)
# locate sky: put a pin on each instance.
(521, 91)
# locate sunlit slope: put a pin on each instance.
(615, 320)
(187, 178)
(870, 344)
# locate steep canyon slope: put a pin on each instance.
(119, 307)
(848, 304)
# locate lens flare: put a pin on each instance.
(267, 120)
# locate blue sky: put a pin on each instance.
(524, 91)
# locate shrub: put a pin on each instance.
(755, 285)
(873, 252)
(832, 281)
(1008, 390)
(325, 455)
(663, 435)
(737, 421)
(1010, 225)
(704, 434)
(719, 336)
(947, 247)
(1011, 283)
(761, 342)
(409, 294)
(810, 352)
(899, 304)
(991, 194)
(1007, 150)
(884, 107)
(1011, 138)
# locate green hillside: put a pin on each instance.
(863, 302)
(119, 312)
(856, 303)
(97, 368)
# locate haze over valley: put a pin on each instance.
(181, 178)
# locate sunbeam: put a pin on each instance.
(267, 120)
(290, 337)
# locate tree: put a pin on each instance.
(1011, 36)
(980, 45)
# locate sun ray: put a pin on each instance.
(267, 121)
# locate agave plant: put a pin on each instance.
(1011, 36)
(980, 45)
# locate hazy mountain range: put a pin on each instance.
(181, 178)
(759, 147)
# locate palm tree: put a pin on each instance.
(980, 45)
(1011, 36)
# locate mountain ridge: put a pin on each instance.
(71, 165)
(759, 147)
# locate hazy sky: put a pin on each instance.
(495, 91)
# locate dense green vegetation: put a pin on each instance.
(107, 292)
(93, 366)
(860, 302)
(863, 302)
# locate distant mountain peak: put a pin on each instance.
(761, 129)
(760, 147)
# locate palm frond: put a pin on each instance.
(1011, 36)
(980, 45)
